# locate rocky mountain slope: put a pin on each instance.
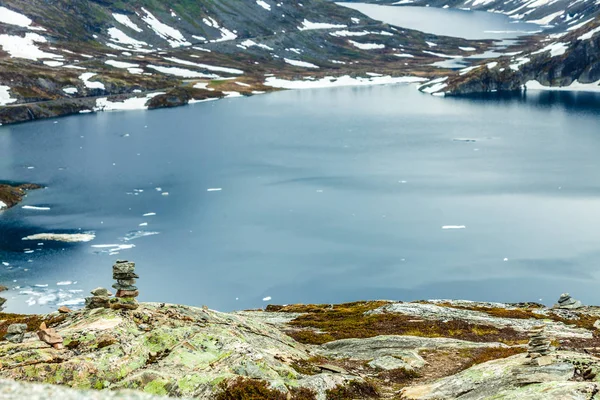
(81, 55)
(362, 350)
(68, 57)
(569, 60)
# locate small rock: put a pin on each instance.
(64, 310)
(332, 368)
(16, 333)
(597, 324)
(101, 292)
(50, 336)
(106, 340)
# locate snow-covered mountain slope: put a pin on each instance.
(567, 61)
(58, 57)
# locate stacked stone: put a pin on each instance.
(124, 274)
(16, 333)
(567, 302)
(100, 298)
(539, 343)
(2, 299)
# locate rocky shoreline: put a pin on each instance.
(438, 349)
(13, 194)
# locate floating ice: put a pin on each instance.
(268, 298)
(214, 190)
(35, 208)
(63, 237)
(64, 283)
(264, 5)
(453, 227)
(151, 214)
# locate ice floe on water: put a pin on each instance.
(264, 5)
(268, 298)
(64, 283)
(214, 190)
(346, 80)
(36, 208)
(133, 235)
(111, 249)
(454, 227)
(150, 214)
(63, 237)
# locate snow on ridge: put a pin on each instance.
(85, 77)
(588, 36)
(547, 19)
(575, 86)
(124, 20)
(346, 33)
(226, 34)
(298, 63)
(263, 4)
(11, 17)
(205, 66)
(168, 33)
(307, 25)
(120, 37)
(182, 72)
(4, 100)
(367, 46)
(24, 47)
(251, 43)
(2, 205)
(346, 80)
(132, 103)
(120, 64)
(556, 49)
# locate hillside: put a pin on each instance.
(70, 56)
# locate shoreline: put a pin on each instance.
(13, 194)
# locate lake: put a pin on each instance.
(448, 22)
(326, 196)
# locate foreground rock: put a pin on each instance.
(380, 349)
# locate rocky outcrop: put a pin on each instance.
(180, 351)
(559, 61)
(11, 195)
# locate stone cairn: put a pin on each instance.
(539, 344)
(566, 302)
(2, 299)
(124, 274)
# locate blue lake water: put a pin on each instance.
(327, 196)
(448, 22)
